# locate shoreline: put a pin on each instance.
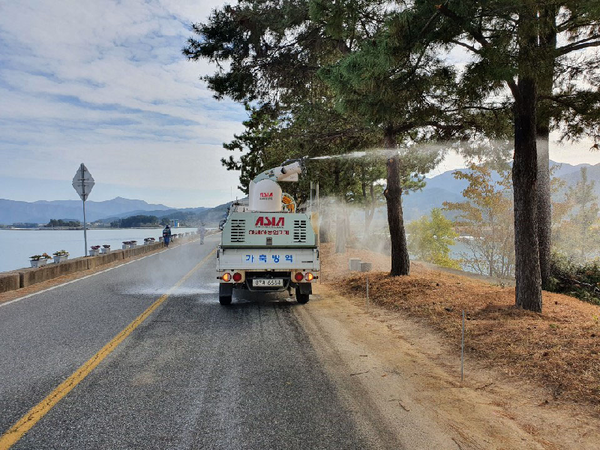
(17, 279)
(18, 245)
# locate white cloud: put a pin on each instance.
(106, 83)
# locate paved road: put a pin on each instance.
(194, 375)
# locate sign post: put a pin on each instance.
(83, 184)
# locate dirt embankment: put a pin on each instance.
(543, 370)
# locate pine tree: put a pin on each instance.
(515, 60)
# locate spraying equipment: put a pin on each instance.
(267, 245)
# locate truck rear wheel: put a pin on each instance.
(302, 298)
(225, 291)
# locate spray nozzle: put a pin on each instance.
(300, 161)
(290, 161)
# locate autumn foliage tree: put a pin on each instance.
(486, 219)
(431, 238)
(576, 228)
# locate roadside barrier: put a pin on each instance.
(18, 279)
(9, 281)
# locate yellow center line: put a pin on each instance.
(17, 431)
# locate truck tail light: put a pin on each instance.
(309, 276)
(226, 277)
(298, 277)
(237, 277)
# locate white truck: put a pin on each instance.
(267, 245)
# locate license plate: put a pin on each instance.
(267, 282)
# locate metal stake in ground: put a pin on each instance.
(83, 184)
(318, 222)
(367, 292)
(462, 349)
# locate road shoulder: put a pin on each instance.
(411, 377)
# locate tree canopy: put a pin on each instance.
(327, 78)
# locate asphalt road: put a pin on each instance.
(193, 375)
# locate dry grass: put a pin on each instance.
(560, 348)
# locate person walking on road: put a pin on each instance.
(167, 235)
(202, 233)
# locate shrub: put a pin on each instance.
(580, 280)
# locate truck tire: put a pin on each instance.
(225, 292)
(225, 300)
(302, 298)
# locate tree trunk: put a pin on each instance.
(370, 211)
(547, 43)
(340, 228)
(393, 196)
(544, 204)
(528, 291)
(340, 231)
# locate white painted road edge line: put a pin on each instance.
(83, 278)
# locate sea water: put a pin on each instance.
(16, 246)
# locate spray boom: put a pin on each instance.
(288, 171)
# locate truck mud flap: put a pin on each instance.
(225, 290)
(305, 288)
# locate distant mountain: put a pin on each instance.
(42, 211)
(193, 216)
(158, 213)
(446, 182)
(574, 175)
(445, 187)
(212, 217)
(563, 169)
(417, 204)
(441, 188)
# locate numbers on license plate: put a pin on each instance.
(267, 282)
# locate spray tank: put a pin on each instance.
(265, 194)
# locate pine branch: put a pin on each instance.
(585, 43)
(479, 37)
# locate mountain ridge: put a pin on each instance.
(440, 188)
(42, 211)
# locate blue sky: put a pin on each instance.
(104, 83)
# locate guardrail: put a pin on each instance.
(18, 279)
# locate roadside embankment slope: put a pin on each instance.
(540, 370)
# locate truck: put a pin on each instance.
(267, 244)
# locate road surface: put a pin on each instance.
(192, 374)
